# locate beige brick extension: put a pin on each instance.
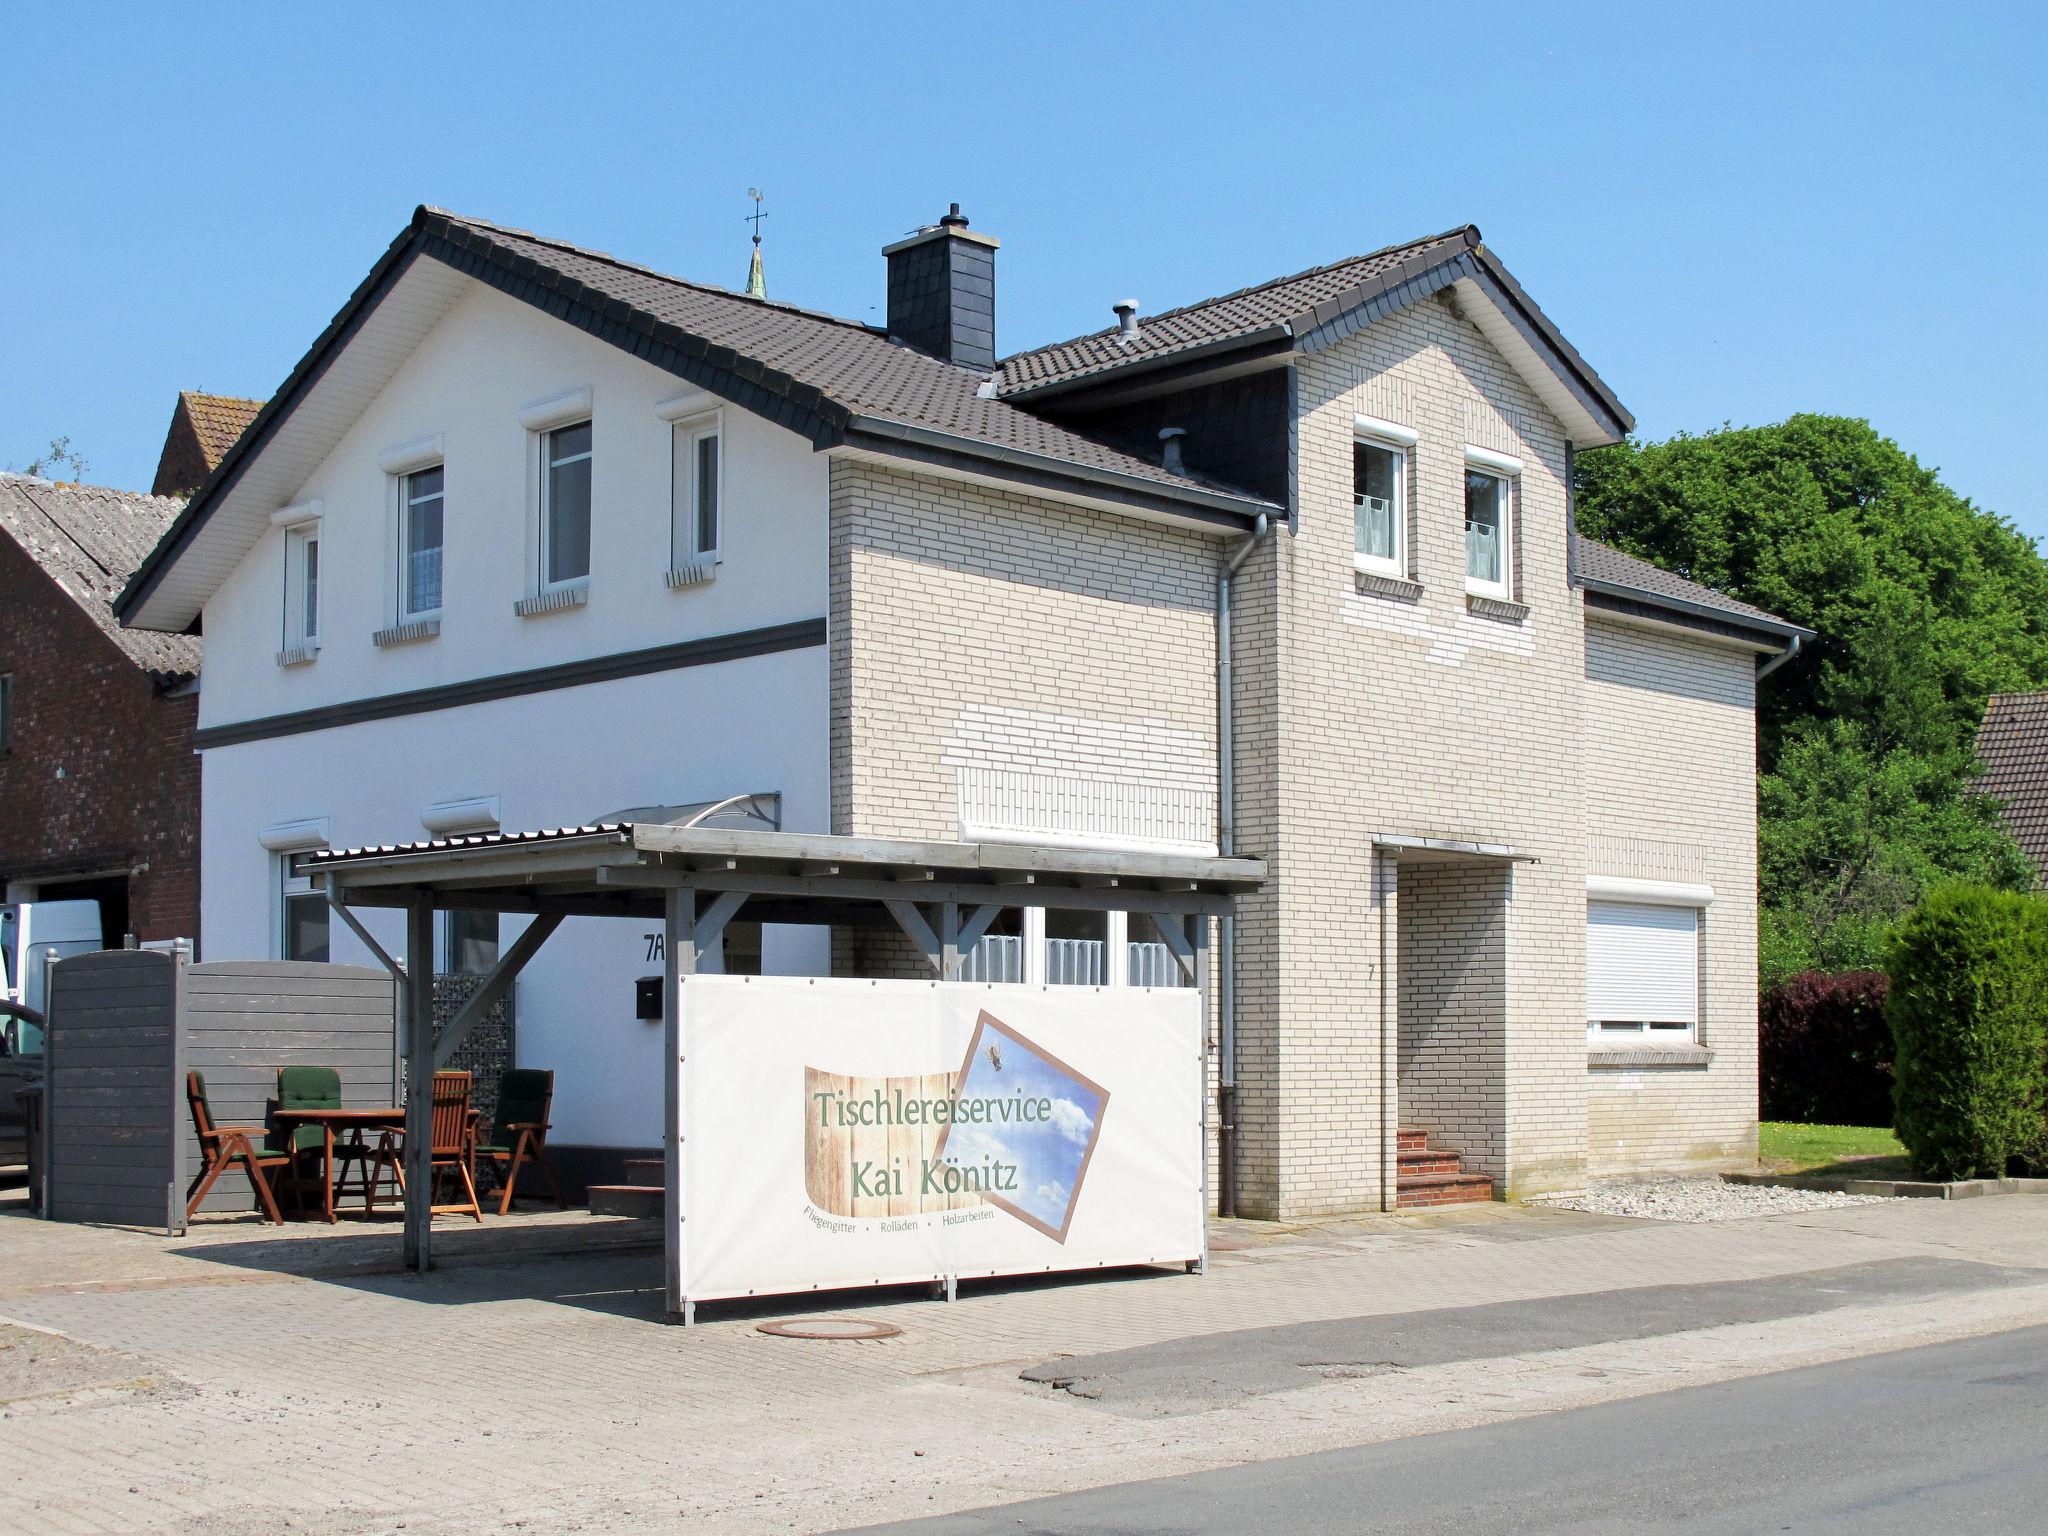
(1666, 713)
(976, 627)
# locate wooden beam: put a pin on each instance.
(710, 932)
(419, 1081)
(1173, 933)
(919, 932)
(493, 986)
(679, 928)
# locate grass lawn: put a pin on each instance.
(1871, 1151)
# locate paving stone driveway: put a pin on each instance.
(232, 1382)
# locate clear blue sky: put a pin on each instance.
(1735, 212)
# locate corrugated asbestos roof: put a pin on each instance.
(88, 539)
(842, 361)
(1599, 563)
(2013, 743)
(218, 420)
(1224, 318)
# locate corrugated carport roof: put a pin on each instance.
(621, 868)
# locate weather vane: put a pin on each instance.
(757, 281)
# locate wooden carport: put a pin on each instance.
(942, 896)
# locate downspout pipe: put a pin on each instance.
(1226, 845)
(1781, 658)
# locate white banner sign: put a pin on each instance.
(840, 1132)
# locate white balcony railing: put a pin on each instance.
(998, 805)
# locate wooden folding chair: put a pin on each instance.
(453, 1143)
(526, 1097)
(223, 1146)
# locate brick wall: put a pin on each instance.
(1671, 789)
(101, 774)
(1377, 715)
(976, 627)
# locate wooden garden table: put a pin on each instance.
(352, 1121)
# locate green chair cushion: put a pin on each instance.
(307, 1088)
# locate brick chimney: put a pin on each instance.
(942, 292)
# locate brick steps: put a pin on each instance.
(625, 1200)
(640, 1195)
(1430, 1176)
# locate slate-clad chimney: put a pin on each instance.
(942, 292)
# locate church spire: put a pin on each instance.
(757, 280)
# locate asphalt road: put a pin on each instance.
(1948, 1438)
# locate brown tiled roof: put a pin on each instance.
(1231, 316)
(88, 539)
(218, 420)
(2013, 744)
(1602, 565)
(815, 357)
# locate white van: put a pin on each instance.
(29, 931)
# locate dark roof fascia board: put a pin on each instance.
(383, 277)
(1193, 360)
(1636, 602)
(896, 439)
(765, 391)
(1411, 281)
(801, 408)
(1537, 329)
(767, 641)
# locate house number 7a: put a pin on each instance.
(656, 948)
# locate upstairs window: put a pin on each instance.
(1379, 514)
(565, 505)
(420, 534)
(696, 499)
(302, 587)
(1489, 556)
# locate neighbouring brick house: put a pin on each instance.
(532, 535)
(99, 782)
(203, 428)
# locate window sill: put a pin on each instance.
(691, 573)
(1497, 608)
(1378, 584)
(404, 634)
(298, 655)
(1633, 1057)
(556, 600)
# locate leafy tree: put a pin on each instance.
(1923, 605)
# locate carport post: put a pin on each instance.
(679, 946)
(419, 1080)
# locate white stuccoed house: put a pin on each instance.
(534, 537)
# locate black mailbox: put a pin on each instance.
(647, 997)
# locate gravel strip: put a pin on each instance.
(1699, 1199)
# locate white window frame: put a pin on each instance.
(1388, 437)
(407, 614)
(686, 492)
(300, 621)
(1507, 471)
(1692, 900)
(544, 440)
(444, 942)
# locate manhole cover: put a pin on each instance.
(829, 1328)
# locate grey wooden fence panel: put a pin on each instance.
(108, 1065)
(244, 1019)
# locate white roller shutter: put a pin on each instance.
(1642, 963)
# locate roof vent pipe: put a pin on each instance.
(1126, 319)
(1169, 449)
